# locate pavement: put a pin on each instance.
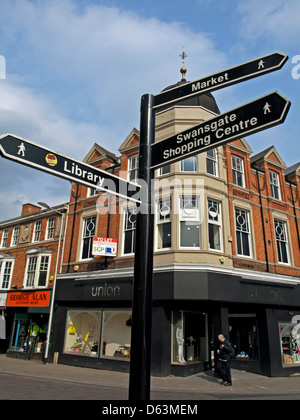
(200, 386)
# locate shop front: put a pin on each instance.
(29, 315)
(93, 322)
(191, 306)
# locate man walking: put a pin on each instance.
(224, 354)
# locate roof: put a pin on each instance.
(205, 100)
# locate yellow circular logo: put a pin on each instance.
(51, 159)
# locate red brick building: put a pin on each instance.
(29, 259)
(226, 258)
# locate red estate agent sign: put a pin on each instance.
(105, 246)
(29, 299)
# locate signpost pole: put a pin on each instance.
(140, 357)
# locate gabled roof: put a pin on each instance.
(293, 169)
(241, 144)
(131, 142)
(98, 153)
(269, 155)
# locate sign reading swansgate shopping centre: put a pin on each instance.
(255, 116)
(30, 154)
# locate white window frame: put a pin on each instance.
(5, 265)
(238, 168)
(50, 232)
(281, 236)
(129, 225)
(244, 230)
(89, 237)
(214, 160)
(214, 218)
(37, 231)
(163, 217)
(133, 166)
(165, 169)
(36, 267)
(4, 238)
(15, 236)
(194, 163)
(275, 185)
(189, 212)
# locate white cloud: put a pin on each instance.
(276, 19)
(76, 75)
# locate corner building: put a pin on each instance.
(226, 259)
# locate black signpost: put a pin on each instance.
(248, 119)
(30, 154)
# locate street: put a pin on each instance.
(27, 380)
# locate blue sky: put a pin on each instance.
(76, 70)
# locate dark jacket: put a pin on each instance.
(225, 351)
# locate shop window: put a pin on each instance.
(83, 332)
(189, 222)
(116, 334)
(28, 334)
(164, 224)
(243, 336)
(189, 337)
(290, 343)
(98, 333)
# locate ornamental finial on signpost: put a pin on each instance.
(183, 70)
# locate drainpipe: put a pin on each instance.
(73, 227)
(262, 219)
(295, 213)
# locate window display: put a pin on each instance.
(83, 332)
(243, 336)
(29, 335)
(290, 343)
(116, 332)
(189, 337)
(98, 333)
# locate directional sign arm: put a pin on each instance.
(255, 116)
(35, 156)
(233, 75)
